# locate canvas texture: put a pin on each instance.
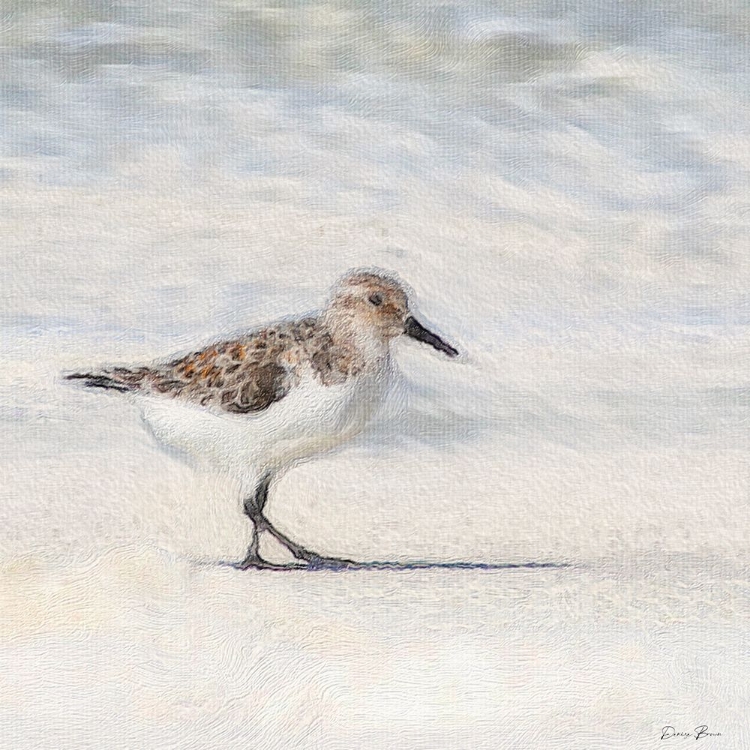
(548, 531)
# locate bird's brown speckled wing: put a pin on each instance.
(241, 376)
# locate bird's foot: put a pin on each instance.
(318, 562)
(256, 562)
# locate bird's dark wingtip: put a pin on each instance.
(91, 380)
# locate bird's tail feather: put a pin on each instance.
(105, 380)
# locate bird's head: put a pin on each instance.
(379, 304)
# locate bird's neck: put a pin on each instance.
(350, 333)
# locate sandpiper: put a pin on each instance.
(257, 405)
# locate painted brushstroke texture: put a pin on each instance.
(566, 184)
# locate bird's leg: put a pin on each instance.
(254, 510)
(313, 559)
(301, 553)
(253, 507)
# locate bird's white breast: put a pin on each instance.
(311, 419)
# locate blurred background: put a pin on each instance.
(563, 184)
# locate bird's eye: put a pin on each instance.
(376, 299)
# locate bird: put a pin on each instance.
(262, 402)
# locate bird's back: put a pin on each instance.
(240, 376)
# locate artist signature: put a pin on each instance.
(698, 733)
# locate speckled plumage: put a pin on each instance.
(249, 373)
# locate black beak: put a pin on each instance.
(415, 330)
